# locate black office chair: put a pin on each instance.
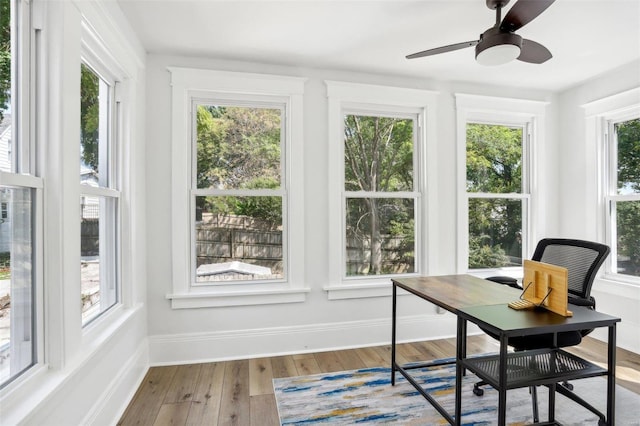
(582, 259)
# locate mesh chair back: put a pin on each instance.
(581, 258)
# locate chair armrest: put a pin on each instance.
(511, 282)
(578, 301)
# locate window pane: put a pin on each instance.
(6, 154)
(238, 147)
(628, 241)
(378, 153)
(93, 128)
(17, 343)
(238, 238)
(628, 133)
(380, 236)
(495, 233)
(494, 158)
(98, 256)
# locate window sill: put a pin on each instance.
(612, 284)
(210, 299)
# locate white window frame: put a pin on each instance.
(523, 113)
(281, 191)
(362, 99)
(190, 84)
(25, 175)
(110, 175)
(600, 116)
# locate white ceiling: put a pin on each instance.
(586, 37)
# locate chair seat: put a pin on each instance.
(541, 341)
(523, 343)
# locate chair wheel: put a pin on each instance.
(478, 391)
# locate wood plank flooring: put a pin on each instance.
(241, 392)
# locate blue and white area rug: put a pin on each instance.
(366, 397)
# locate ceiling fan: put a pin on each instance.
(499, 44)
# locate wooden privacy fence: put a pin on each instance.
(90, 237)
(215, 244)
(238, 244)
(226, 238)
(396, 258)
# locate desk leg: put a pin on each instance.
(611, 376)
(502, 382)
(552, 403)
(393, 336)
(461, 337)
(463, 345)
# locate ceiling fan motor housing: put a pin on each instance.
(494, 4)
(496, 47)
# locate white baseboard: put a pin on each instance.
(117, 396)
(263, 342)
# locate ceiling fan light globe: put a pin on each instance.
(497, 48)
(498, 55)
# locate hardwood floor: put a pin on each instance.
(241, 392)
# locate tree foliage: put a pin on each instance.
(494, 158)
(378, 155)
(89, 116)
(629, 155)
(239, 148)
(5, 56)
(628, 212)
(494, 165)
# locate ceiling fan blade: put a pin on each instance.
(523, 12)
(443, 49)
(533, 52)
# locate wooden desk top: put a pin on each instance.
(453, 292)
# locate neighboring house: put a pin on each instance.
(90, 205)
(5, 165)
(5, 143)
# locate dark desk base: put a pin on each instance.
(404, 371)
(500, 381)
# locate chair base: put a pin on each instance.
(564, 388)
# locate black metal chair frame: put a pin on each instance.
(582, 273)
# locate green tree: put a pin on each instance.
(5, 56)
(89, 116)
(629, 154)
(239, 148)
(237, 145)
(378, 158)
(494, 165)
(494, 158)
(628, 212)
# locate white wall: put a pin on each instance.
(188, 335)
(579, 205)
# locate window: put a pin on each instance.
(496, 137)
(99, 196)
(497, 194)
(237, 173)
(377, 209)
(380, 204)
(613, 126)
(238, 193)
(623, 196)
(20, 200)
